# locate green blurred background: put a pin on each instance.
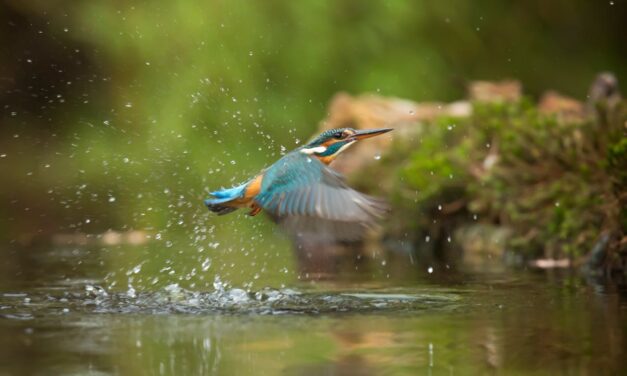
(121, 115)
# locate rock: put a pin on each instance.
(546, 263)
(482, 239)
(567, 110)
(495, 92)
(596, 259)
(372, 111)
(603, 88)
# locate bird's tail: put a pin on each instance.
(218, 204)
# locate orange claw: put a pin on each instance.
(255, 210)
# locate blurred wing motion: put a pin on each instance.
(313, 202)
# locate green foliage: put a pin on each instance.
(617, 160)
(433, 164)
(547, 180)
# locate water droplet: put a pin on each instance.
(131, 292)
(238, 295)
(206, 265)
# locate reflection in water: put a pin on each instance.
(481, 323)
(494, 330)
(60, 315)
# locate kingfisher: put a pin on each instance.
(304, 195)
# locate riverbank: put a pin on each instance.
(536, 183)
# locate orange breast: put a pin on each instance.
(254, 187)
(326, 160)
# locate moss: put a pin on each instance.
(555, 185)
(617, 161)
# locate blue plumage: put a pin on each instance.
(228, 194)
(305, 196)
(223, 196)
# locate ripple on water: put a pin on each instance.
(176, 300)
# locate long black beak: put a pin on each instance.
(367, 133)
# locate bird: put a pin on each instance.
(304, 195)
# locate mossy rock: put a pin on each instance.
(554, 185)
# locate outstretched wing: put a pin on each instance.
(312, 201)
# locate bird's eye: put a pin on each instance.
(338, 135)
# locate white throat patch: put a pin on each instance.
(322, 149)
(317, 149)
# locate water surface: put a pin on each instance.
(448, 322)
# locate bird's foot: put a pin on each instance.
(255, 210)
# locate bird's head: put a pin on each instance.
(331, 143)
